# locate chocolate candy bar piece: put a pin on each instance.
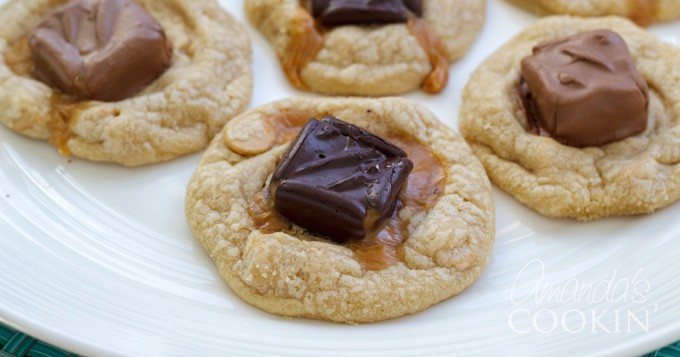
(358, 12)
(99, 49)
(338, 180)
(416, 6)
(584, 90)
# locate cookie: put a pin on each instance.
(643, 12)
(284, 269)
(168, 112)
(408, 52)
(636, 175)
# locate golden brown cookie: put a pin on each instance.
(367, 60)
(636, 175)
(642, 12)
(283, 269)
(209, 82)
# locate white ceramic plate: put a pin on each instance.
(98, 259)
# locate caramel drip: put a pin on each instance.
(61, 121)
(382, 247)
(432, 45)
(262, 212)
(18, 57)
(643, 12)
(425, 183)
(306, 41)
(62, 107)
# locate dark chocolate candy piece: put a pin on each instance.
(339, 180)
(317, 7)
(99, 49)
(357, 12)
(416, 6)
(584, 90)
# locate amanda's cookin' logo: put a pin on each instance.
(616, 304)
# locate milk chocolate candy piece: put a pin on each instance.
(338, 180)
(584, 90)
(99, 49)
(357, 12)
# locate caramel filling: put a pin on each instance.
(382, 247)
(18, 57)
(307, 39)
(246, 137)
(263, 214)
(643, 12)
(280, 128)
(62, 107)
(437, 79)
(287, 124)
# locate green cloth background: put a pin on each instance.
(16, 344)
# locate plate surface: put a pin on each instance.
(98, 259)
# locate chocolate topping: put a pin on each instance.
(416, 6)
(584, 90)
(357, 12)
(99, 49)
(338, 180)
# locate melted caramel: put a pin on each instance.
(643, 12)
(60, 121)
(439, 60)
(382, 247)
(18, 57)
(426, 181)
(307, 39)
(261, 210)
(288, 123)
(63, 107)
(275, 129)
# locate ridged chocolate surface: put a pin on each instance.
(339, 180)
(99, 49)
(584, 90)
(357, 12)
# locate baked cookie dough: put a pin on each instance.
(368, 60)
(642, 12)
(633, 176)
(291, 272)
(208, 82)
